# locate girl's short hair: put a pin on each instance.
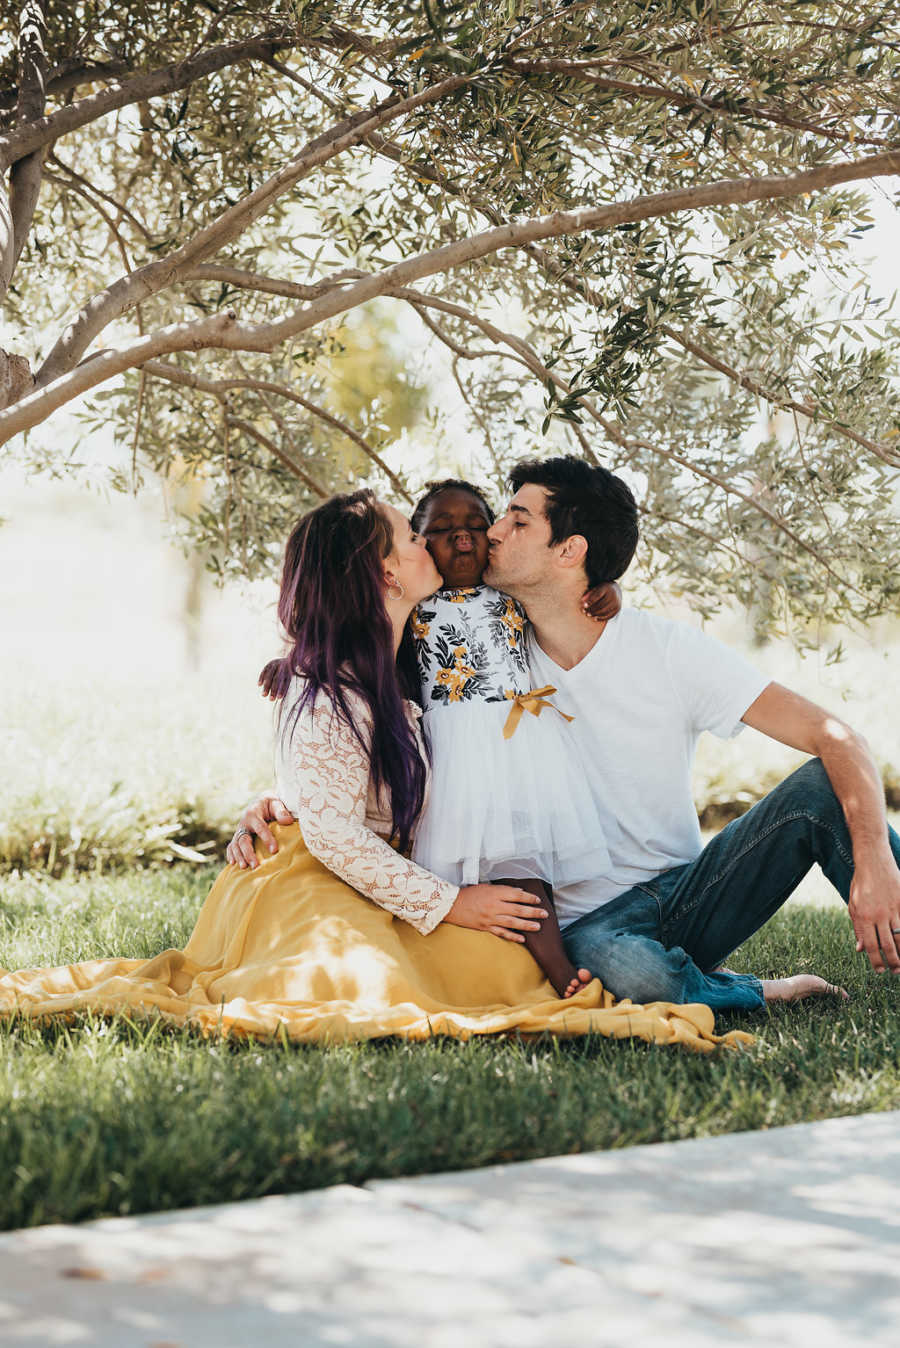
(434, 489)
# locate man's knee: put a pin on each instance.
(810, 788)
(667, 977)
(814, 778)
(632, 966)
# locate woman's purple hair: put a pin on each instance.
(332, 609)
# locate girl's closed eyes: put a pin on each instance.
(455, 524)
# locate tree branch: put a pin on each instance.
(40, 131)
(25, 174)
(7, 243)
(521, 352)
(219, 330)
(90, 190)
(249, 429)
(269, 404)
(337, 424)
(723, 193)
(468, 353)
(68, 75)
(270, 285)
(789, 404)
(338, 38)
(105, 216)
(219, 389)
(162, 370)
(655, 92)
(461, 352)
(330, 103)
(155, 276)
(224, 330)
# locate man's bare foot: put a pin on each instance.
(582, 976)
(794, 989)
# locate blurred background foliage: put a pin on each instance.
(132, 731)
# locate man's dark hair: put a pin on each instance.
(583, 498)
(434, 489)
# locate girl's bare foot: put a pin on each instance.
(575, 984)
(797, 987)
(546, 945)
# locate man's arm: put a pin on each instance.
(875, 889)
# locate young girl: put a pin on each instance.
(508, 803)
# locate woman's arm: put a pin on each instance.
(332, 775)
(331, 770)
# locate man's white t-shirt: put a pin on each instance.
(641, 697)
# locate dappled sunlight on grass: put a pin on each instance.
(114, 749)
(107, 1117)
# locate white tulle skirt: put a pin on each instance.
(518, 808)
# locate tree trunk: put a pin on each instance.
(16, 378)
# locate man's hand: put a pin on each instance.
(503, 910)
(255, 822)
(267, 678)
(875, 912)
(874, 901)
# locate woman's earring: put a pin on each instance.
(396, 586)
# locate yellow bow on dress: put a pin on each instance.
(535, 700)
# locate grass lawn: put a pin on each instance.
(102, 1118)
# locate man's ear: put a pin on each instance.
(573, 551)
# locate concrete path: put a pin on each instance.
(788, 1237)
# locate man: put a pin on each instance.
(642, 689)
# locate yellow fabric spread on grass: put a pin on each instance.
(290, 948)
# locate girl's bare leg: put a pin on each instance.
(546, 945)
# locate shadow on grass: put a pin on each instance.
(106, 1117)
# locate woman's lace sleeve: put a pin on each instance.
(331, 770)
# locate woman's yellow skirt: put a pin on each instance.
(291, 949)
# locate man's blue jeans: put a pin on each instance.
(659, 940)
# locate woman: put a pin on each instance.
(339, 935)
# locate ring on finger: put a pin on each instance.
(242, 832)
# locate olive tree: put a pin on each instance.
(626, 227)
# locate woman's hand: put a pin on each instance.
(255, 822)
(502, 910)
